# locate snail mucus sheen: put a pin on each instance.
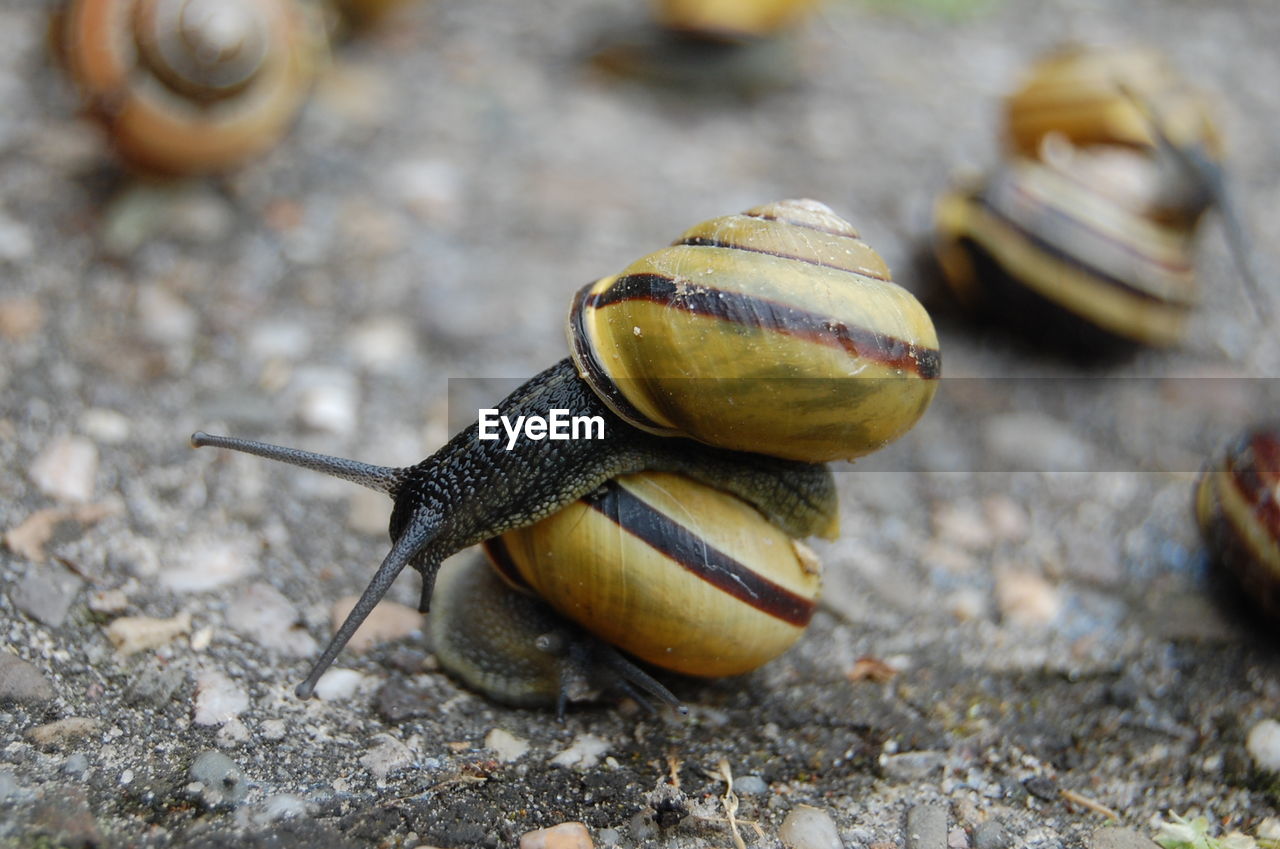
(741, 358)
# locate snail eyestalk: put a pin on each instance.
(380, 478)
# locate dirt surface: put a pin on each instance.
(1025, 561)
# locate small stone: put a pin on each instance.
(216, 781)
(166, 319)
(206, 566)
(927, 827)
(45, 593)
(279, 339)
(262, 613)
(62, 731)
(1263, 744)
(67, 469)
(218, 699)
(1025, 598)
(957, 838)
(34, 533)
(566, 835)
(20, 318)
(64, 815)
(338, 684)
(430, 188)
(383, 343)
(807, 827)
(388, 621)
(912, 766)
(233, 733)
(284, 806)
(154, 682)
(132, 634)
(584, 752)
(76, 765)
(104, 425)
(961, 525)
(329, 401)
(273, 729)
(388, 756)
(750, 785)
(506, 746)
(16, 242)
(1005, 517)
(108, 601)
(21, 682)
(1115, 837)
(991, 834)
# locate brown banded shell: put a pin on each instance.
(674, 572)
(1032, 240)
(1237, 505)
(777, 331)
(190, 86)
(732, 19)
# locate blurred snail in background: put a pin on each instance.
(673, 572)
(1089, 223)
(745, 355)
(713, 45)
(1237, 505)
(190, 86)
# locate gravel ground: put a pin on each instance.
(1025, 561)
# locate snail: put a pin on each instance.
(745, 355)
(672, 572)
(1237, 505)
(1088, 224)
(190, 86)
(713, 46)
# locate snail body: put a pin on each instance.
(474, 489)
(1237, 505)
(189, 86)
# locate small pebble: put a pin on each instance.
(329, 401)
(216, 780)
(927, 827)
(991, 834)
(609, 837)
(45, 593)
(506, 746)
(105, 425)
(1025, 598)
(67, 469)
(132, 634)
(566, 835)
(76, 765)
(218, 699)
(807, 827)
(338, 684)
(388, 621)
(16, 242)
(383, 343)
(957, 838)
(1115, 837)
(962, 525)
(912, 766)
(207, 565)
(63, 730)
(232, 733)
(154, 682)
(584, 752)
(388, 756)
(21, 682)
(108, 601)
(20, 318)
(279, 339)
(750, 785)
(284, 806)
(1263, 744)
(166, 319)
(430, 188)
(262, 613)
(273, 729)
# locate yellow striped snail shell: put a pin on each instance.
(189, 86)
(732, 19)
(1056, 252)
(1237, 505)
(787, 314)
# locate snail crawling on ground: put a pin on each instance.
(189, 86)
(744, 356)
(1237, 505)
(1089, 222)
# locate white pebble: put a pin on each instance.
(218, 699)
(273, 729)
(67, 468)
(262, 613)
(105, 425)
(505, 745)
(1263, 744)
(16, 243)
(338, 684)
(233, 733)
(388, 756)
(204, 565)
(165, 318)
(284, 806)
(807, 827)
(132, 634)
(329, 402)
(430, 188)
(1025, 598)
(584, 752)
(381, 344)
(279, 339)
(565, 835)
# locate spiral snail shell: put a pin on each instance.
(190, 86)
(1237, 505)
(473, 489)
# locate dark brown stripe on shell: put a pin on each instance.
(689, 551)
(500, 557)
(1254, 466)
(745, 310)
(707, 242)
(597, 378)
